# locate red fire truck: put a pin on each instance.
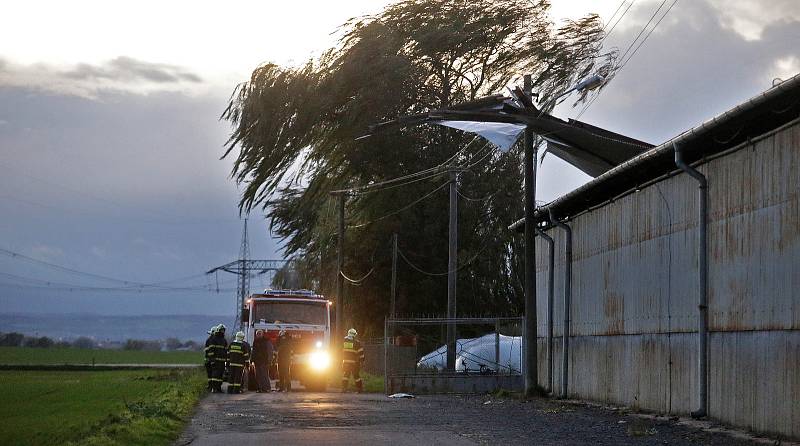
(306, 318)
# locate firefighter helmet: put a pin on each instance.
(221, 328)
(352, 333)
(212, 330)
(282, 333)
(239, 336)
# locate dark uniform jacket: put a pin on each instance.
(262, 350)
(217, 350)
(209, 343)
(285, 350)
(238, 353)
(352, 352)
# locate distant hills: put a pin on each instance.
(111, 328)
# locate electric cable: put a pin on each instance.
(401, 209)
(624, 61)
(428, 173)
(129, 284)
(358, 281)
(618, 20)
(428, 273)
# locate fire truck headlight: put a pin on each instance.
(320, 360)
(318, 344)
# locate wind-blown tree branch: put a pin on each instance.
(295, 129)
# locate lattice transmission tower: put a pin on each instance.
(246, 268)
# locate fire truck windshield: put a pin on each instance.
(291, 312)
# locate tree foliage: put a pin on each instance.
(294, 138)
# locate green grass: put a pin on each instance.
(145, 407)
(24, 355)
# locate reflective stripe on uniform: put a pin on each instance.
(233, 364)
(349, 361)
(216, 379)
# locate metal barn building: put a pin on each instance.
(634, 317)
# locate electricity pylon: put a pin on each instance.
(245, 268)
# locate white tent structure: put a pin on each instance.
(472, 353)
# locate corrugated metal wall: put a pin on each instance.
(634, 303)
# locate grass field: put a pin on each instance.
(96, 408)
(24, 355)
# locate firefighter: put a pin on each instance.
(262, 358)
(352, 358)
(219, 355)
(208, 355)
(284, 362)
(238, 362)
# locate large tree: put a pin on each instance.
(294, 137)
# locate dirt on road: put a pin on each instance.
(345, 419)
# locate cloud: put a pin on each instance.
(98, 252)
(693, 67)
(128, 69)
(45, 252)
(749, 18)
(121, 74)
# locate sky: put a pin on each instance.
(110, 134)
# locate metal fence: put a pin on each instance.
(415, 353)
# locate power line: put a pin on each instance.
(618, 20)
(129, 283)
(648, 34)
(358, 281)
(428, 273)
(646, 25)
(622, 59)
(439, 169)
(611, 19)
(458, 191)
(401, 209)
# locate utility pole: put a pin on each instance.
(339, 265)
(393, 302)
(452, 266)
(531, 360)
(242, 280)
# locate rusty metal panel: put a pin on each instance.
(635, 264)
(754, 381)
(635, 290)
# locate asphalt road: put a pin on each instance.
(302, 418)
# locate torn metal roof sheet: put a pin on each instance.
(768, 111)
(501, 119)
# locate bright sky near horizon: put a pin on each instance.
(110, 138)
(216, 39)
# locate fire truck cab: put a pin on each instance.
(306, 318)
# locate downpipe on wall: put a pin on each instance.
(550, 274)
(702, 248)
(567, 301)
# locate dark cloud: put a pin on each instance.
(122, 74)
(126, 186)
(130, 69)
